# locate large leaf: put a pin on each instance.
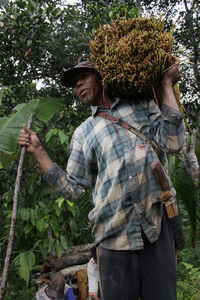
(26, 264)
(187, 192)
(6, 159)
(10, 126)
(42, 109)
(47, 108)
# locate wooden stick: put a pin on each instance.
(13, 220)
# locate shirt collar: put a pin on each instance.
(96, 108)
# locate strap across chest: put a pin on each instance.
(131, 128)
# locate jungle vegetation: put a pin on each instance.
(39, 40)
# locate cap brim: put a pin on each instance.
(68, 76)
(54, 294)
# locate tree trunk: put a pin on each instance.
(189, 158)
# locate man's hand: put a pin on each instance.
(29, 139)
(172, 75)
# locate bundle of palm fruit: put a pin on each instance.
(131, 55)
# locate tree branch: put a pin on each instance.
(189, 158)
(13, 220)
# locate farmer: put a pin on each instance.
(136, 248)
(56, 289)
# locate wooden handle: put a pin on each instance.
(157, 167)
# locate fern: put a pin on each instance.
(187, 193)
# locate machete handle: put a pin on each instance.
(158, 168)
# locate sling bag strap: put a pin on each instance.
(131, 128)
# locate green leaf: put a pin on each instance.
(110, 14)
(48, 107)
(10, 126)
(50, 245)
(26, 265)
(63, 137)
(19, 106)
(24, 214)
(60, 201)
(51, 133)
(59, 248)
(27, 228)
(55, 226)
(71, 204)
(5, 160)
(31, 259)
(21, 4)
(24, 270)
(187, 193)
(63, 242)
(43, 109)
(33, 216)
(40, 225)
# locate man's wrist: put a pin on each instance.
(43, 159)
(167, 83)
(39, 150)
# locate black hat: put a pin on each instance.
(56, 286)
(84, 66)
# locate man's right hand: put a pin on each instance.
(29, 139)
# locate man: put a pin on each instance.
(136, 250)
(56, 289)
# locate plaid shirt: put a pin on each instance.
(117, 165)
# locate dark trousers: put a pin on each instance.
(148, 274)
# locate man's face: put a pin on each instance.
(87, 88)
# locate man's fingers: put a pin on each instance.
(26, 129)
(175, 60)
(24, 135)
(24, 141)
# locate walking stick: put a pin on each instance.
(13, 220)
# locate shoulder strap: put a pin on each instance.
(131, 128)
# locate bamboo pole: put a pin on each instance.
(13, 220)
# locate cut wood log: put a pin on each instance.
(71, 272)
(76, 255)
(82, 281)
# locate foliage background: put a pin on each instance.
(39, 40)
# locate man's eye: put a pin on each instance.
(74, 84)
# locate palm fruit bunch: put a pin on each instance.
(131, 55)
